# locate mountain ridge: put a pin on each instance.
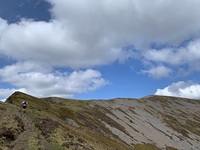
(151, 122)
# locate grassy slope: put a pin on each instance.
(175, 116)
(44, 125)
(56, 123)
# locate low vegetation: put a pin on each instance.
(145, 147)
(64, 124)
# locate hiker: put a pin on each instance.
(24, 104)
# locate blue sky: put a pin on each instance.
(86, 49)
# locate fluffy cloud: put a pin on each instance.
(56, 44)
(26, 77)
(176, 56)
(181, 58)
(158, 72)
(4, 93)
(84, 33)
(3, 25)
(181, 89)
(131, 21)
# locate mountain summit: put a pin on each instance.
(149, 123)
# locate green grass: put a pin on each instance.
(173, 123)
(44, 124)
(171, 148)
(192, 126)
(145, 147)
(143, 101)
(46, 128)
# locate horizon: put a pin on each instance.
(83, 49)
(147, 96)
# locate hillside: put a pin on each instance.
(149, 123)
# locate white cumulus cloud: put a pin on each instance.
(39, 83)
(55, 43)
(185, 60)
(85, 33)
(189, 54)
(158, 71)
(181, 89)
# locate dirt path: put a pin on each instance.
(31, 138)
(23, 138)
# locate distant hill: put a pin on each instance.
(149, 123)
